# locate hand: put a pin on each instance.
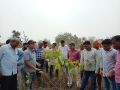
(110, 74)
(36, 69)
(101, 72)
(96, 74)
(81, 71)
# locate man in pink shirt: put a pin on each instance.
(116, 43)
(73, 54)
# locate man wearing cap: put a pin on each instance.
(97, 46)
(30, 64)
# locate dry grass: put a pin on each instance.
(56, 83)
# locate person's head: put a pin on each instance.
(96, 45)
(24, 46)
(14, 42)
(54, 45)
(87, 45)
(44, 44)
(62, 43)
(31, 44)
(8, 41)
(106, 44)
(116, 41)
(72, 46)
(81, 47)
(40, 44)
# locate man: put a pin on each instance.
(81, 48)
(45, 48)
(39, 56)
(73, 55)
(63, 49)
(51, 62)
(24, 47)
(30, 64)
(116, 40)
(107, 65)
(20, 64)
(8, 64)
(97, 46)
(90, 58)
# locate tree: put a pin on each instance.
(69, 38)
(24, 38)
(16, 34)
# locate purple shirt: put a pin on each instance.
(74, 55)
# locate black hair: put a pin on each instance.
(44, 42)
(116, 38)
(106, 41)
(87, 42)
(62, 41)
(25, 44)
(8, 41)
(55, 44)
(73, 44)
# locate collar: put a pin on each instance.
(30, 50)
(9, 46)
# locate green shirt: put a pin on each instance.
(91, 60)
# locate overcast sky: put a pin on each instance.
(47, 18)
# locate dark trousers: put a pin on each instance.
(9, 82)
(46, 65)
(41, 67)
(85, 78)
(51, 71)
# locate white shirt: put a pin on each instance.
(46, 49)
(64, 50)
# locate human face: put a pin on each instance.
(116, 44)
(87, 47)
(62, 44)
(71, 47)
(14, 44)
(31, 46)
(82, 47)
(45, 45)
(53, 46)
(40, 45)
(106, 47)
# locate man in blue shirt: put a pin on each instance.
(107, 65)
(8, 65)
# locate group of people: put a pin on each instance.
(101, 62)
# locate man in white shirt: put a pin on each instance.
(63, 49)
(46, 48)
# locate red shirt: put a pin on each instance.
(74, 55)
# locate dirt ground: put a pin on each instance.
(56, 83)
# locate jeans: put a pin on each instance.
(107, 82)
(85, 78)
(117, 86)
(29, 86)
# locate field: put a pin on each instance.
(56, 83)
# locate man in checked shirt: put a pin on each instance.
(39, 56)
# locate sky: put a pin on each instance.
(41, 19)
